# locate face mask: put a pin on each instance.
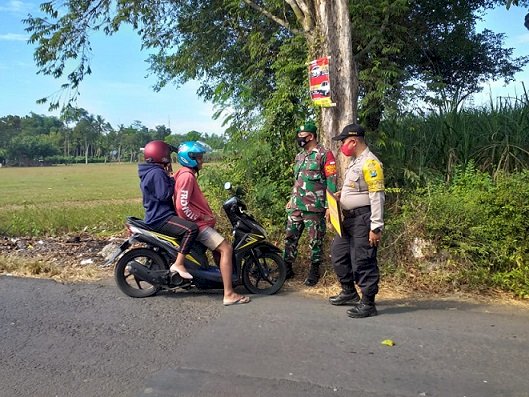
(302, 141)
(346, 149)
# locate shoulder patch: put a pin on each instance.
(373, 175)
(330, 164)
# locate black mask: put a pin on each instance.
(302, 141)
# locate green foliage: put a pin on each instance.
(476, 229)
(217, 142)
(82, 137)
(417, 148)
(266, 180)
(248, 55)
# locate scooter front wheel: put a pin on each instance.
(127, 282)
(264, 274)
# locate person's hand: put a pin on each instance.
(374, 238)
(337, 195)
(289, 205)
(168, 168)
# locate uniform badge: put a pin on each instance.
(374, 176)
(330, 169)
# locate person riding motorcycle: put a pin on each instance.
(191, 204)
(158, 188)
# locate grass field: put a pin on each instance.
(40, 201)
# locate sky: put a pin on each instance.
(120, 91)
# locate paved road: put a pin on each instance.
(90, 340)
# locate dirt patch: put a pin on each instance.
(70, 257)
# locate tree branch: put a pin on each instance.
(268, 14)
(300, 5)
(303, 14)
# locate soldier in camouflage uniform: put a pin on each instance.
(315, 172)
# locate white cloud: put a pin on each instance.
(13, 37)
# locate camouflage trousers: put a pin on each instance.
(297, 221)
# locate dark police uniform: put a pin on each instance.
(362, 202)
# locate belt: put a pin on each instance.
(356, 211)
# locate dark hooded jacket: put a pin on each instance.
(157, 188)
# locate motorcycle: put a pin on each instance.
(145, 257)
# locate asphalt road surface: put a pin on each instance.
(91, 340)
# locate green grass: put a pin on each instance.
(68, 184)
(55, 200)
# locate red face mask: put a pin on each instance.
(346, 149)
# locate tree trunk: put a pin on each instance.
(326, 25)
(334, 35)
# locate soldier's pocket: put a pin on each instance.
(295, 216)
(313, 171)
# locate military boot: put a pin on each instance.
(366, 308)
(314, 275)
(290, 271)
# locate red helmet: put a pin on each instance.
(157, 152)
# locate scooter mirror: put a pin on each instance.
(227, 186)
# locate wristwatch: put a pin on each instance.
(376, 231)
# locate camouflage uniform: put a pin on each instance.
(315, 172)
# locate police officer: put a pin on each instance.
(354, 255)
(314, 172)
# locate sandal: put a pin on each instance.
(242, 300)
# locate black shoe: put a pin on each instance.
(345, 297)
(290, 273)
(313, 277)
(362, 310)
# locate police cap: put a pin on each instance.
(350, 130)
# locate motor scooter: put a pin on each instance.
(145, 257)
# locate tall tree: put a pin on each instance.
(160, 132)
(325, 27)
(238, 48)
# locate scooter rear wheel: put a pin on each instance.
(130, 284)
(264, 276)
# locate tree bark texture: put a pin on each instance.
(326, 26)
(334, 28)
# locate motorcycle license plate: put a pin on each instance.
(118, 251)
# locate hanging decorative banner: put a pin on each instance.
(320, 83)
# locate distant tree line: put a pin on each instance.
(78, 136)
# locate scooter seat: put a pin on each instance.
(139, 223)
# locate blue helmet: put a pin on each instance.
(187, 152)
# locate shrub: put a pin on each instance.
(476, 228)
